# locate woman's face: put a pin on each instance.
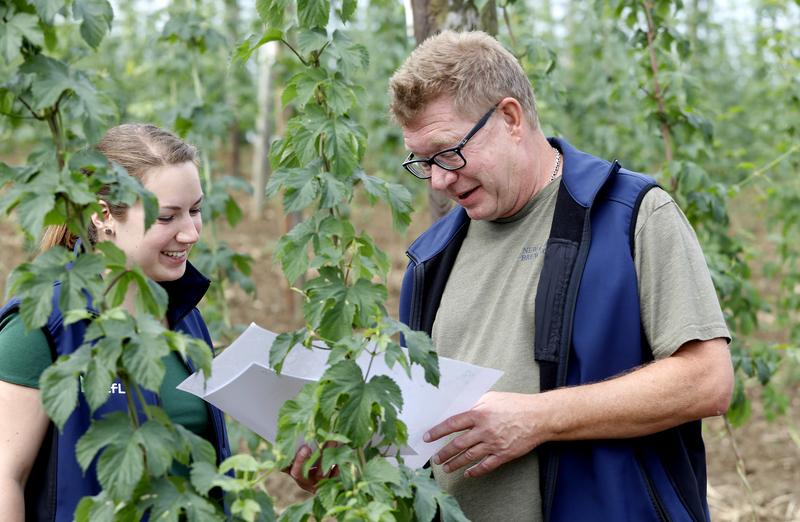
(162, 250)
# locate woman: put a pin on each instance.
(39, 477)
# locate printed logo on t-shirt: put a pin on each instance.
(530, 253)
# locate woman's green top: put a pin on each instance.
(24, 355)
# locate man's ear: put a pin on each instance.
(513, 115)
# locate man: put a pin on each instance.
(581, 280)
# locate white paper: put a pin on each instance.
(243, 386)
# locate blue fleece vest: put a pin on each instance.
(57, 482)
(588, 328)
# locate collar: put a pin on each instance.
(583, 174)
(184, 293)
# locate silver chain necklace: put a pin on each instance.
(555, 169)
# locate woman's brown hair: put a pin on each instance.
(138, 148)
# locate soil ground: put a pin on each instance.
(770, 451)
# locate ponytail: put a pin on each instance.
(56, 235)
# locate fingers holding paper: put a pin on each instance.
(498, 429)
(315, 473)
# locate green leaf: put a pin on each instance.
(291, 252)
(104, 432)
(120, 467)
(96, 509)
(298, 512)
(333, 191)
(204, 476)
(100, 372)
(348, 10)
(282, 346)
(159, 443)
(144, 360)
(59, 386)
(342, 145)
(150, 296)
(33, 284)
(33, 207)
(422, 352)
(339, 95)
(48, 9)
(382, 471)
(296, 419)
(247, 47)
(368, 297)
(96, 17)
(353, 402)
(304, 85)
(14, 29)
(113, 254)
(52, 78)
(201, 450)
(427, 495)
(172, 497)
(313, 13)
(400, 201)
(245, 508)
(272, 12)
(80, 278)
(309, 40)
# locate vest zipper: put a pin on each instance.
(415, 317)
(651, 493)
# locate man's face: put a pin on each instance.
(488, 186)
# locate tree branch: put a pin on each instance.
(657, 90)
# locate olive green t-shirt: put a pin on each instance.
(486, 317)
(24, 355)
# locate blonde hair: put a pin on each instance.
(470, 67)
(138, 148)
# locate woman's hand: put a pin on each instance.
(315, 473)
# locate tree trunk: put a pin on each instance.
(265, 58)
(433, 16)
(232, 27)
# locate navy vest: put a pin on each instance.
(588, 328)
(57, 483)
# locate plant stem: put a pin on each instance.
(287, 44)
(362, 458)
(58, 138)
(740, 468)
(132, 413)
(30, 109)
(762, 170)
(145, 406)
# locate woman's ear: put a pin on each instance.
(105, 223)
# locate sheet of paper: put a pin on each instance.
(243, 385)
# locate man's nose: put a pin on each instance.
(442, 178)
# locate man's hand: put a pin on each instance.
(498, 429)
(315, 473)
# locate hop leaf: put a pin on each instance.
(356, 403)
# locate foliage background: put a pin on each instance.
(729, 84)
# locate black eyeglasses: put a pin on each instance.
(448, 159)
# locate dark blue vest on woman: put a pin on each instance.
(588, 328)
(57, 483)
